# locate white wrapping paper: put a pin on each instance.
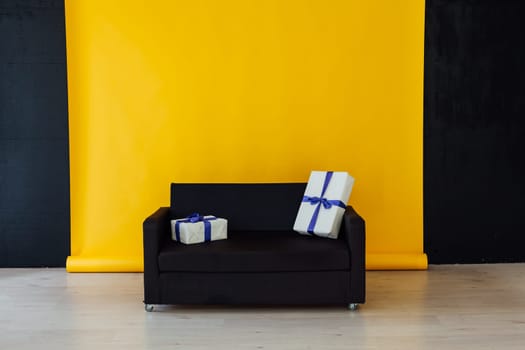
(194, 232)
(328, 220)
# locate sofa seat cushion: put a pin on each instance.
(265, 251)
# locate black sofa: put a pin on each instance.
(262, 262)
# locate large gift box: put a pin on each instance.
(197, 229)
(324, 203)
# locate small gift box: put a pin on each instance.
(324, 203)
(197, 229)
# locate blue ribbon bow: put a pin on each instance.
(193, 218)
(326, 203)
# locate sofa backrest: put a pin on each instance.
(250, 207)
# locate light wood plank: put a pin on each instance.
(446, 307)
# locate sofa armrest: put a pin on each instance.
(156, 229)
(353, 230)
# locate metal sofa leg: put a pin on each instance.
(148, 307)
(353, 306)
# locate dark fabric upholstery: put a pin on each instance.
(353, 231)
(155, 230)
(290, 288)
(258, 251)
(262, 207)
(262, 262)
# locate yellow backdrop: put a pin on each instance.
(242, 91)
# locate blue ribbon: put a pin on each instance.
(193, 218)
(326, 203)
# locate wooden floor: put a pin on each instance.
(447, 307)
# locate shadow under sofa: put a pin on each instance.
(263, 261)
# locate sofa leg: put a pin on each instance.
(353, 306)
(148, 307)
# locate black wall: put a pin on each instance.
(34, 165)
(474, 182)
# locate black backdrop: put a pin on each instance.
(474, 117)
(474, 132)
(34, 170)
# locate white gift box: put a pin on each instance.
(197, 229)
(324, 202)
